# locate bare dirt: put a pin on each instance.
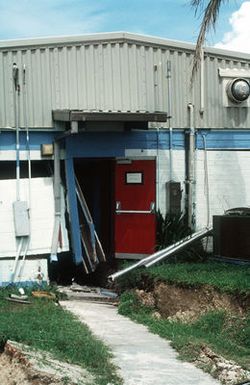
(13, 372)
(21, 366)
(188, 304)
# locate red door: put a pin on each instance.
(135, 224)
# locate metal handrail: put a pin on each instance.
(134, 211)
(150, 211)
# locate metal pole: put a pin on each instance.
(169, 79)
(25, 108)
(202, 103)
(159, 255)
(181, 245)
(191, 173)
(206, 178)
(157, 153)
(15, 74)
(57, 197)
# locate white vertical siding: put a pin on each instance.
(28, 270)
(41, 216)
(229, 183)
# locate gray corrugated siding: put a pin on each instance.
(122, 76)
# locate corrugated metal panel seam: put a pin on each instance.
(118, 37)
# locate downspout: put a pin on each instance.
(157, 151)
(25, 108)
(202, 103)
(157, 173)
(169, 79)
(206, 178)
(191, 169)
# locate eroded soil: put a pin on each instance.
(21, 366)
(188, 304)
(13, 372)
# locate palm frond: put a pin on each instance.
(210, 15)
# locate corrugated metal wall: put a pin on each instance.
(117, 76)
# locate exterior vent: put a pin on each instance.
(238, 90)
(235, 87)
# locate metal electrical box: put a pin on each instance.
(21, 218)
(174, 194)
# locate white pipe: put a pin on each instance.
(16, 87)
(142, 262)
(206, 179)
(158, 255)
(181, 245)
(156, 98)
(23, 260)
(25, 108)
(57, 198)
(191, 174)
(157, 173)
(169, 79)
(19, 249)
(202, 103)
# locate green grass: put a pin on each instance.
(226, 335)
(48, 327)
(224, 277)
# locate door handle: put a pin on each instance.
(120, 211)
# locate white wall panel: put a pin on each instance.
(41, 216)
(229, 183)
(26, 272)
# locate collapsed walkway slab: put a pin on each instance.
(143, 358)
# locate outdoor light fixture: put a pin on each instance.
(238, 90)
(47, 149)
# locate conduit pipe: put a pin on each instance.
(202, 103)
(25, 107)
(57, 197)
(157, 151)
(181, 245)
(142, 262)
(206, 178)
(169, 80)
(191, 168)
(16, 86)
(159, 255)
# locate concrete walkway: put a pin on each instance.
(143, 358)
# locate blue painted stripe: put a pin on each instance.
(73, 211)
(8, 139)
(224, 139)
(114, 144)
